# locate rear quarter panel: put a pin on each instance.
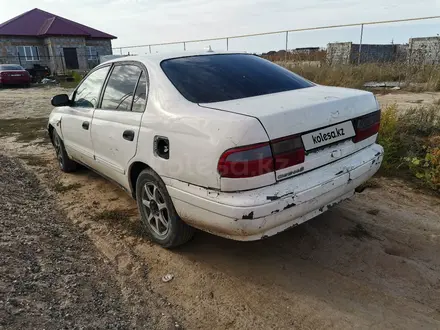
(197, 136)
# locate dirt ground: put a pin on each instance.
(371, 262)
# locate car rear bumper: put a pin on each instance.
(16, 81)
(255, 214)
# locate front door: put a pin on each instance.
(71, 58)
(76, 122)
(116, 123)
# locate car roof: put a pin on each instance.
(6, 66)
(157, 58)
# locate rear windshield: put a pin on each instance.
(10, 67)
(223, 77)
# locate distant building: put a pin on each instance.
(39, 37)
(297, 54)
(306, 50)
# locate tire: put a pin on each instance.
(66, 164)
(158, 215)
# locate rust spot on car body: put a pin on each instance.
(288, 206)
(248, 216)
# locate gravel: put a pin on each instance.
(51, 275)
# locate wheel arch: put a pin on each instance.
(133, 173)
(50, 129)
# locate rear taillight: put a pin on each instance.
(366, 126)
(245, 162)
(262, 158)
(288, 151)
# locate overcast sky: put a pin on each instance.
(153, 21)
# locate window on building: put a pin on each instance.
(29, 53)
(91, 53)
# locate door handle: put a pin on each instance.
(85, 125)
(128, 135)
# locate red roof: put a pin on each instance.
(39, 23)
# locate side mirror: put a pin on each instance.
(60, 100)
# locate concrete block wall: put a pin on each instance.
(373, 53)
(56, 45)
(348, 53)
(101, 47)
(51, 51)
(424, 50)
(339, 53)
(9, 51)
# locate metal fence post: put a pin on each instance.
(360, 44)
(227, 43)
(19, 58)
(184, 46)
(287, 42)
(149, 47)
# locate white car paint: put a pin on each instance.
(244, 208)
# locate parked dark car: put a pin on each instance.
(12, 74)
(38, 72)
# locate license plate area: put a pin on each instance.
(328, 135)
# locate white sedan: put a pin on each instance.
(228, 143)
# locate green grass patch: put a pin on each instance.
(33, 160)
(411, 140)
(62, 188)
(121, 219)
(359, 232)
(68, 84)
(27, 130)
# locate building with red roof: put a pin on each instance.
(37, 37)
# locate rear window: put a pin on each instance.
(223, 77)
(11, 67)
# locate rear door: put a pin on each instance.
(116, 121)
(76, 120)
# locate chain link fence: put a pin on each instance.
(404, 52)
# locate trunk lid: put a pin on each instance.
(327, 112)
(14, 75)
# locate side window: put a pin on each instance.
(140, 97)
(87, 94)
(118, 94)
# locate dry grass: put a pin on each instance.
(33, 160)
(122, 220)
(411, 140)
(413, 78)
(359, 232)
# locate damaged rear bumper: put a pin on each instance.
(258, 213)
